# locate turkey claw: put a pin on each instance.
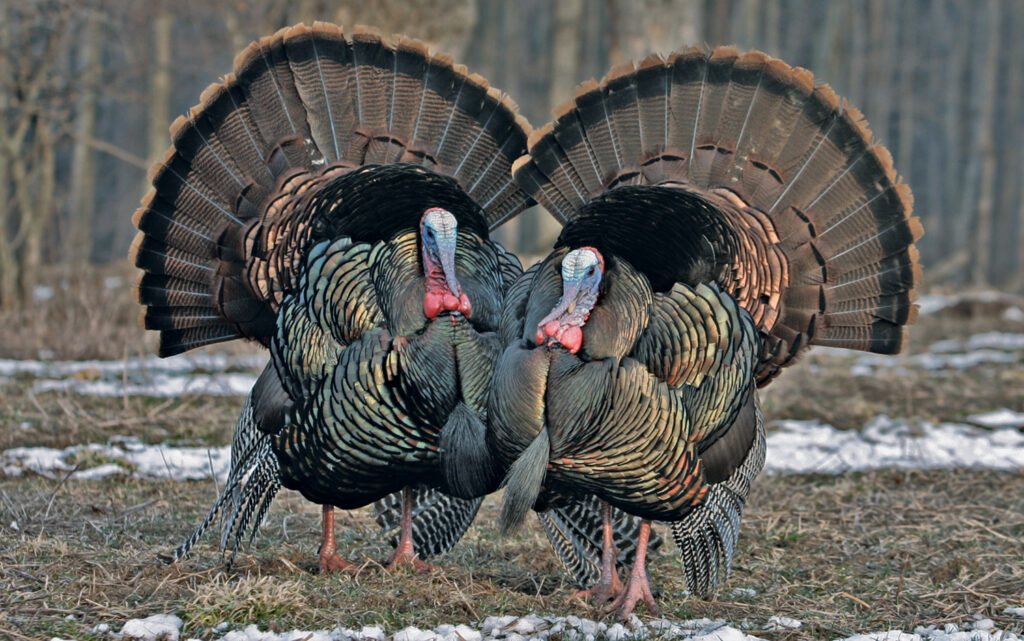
(334, 563)
(404, 559)
(636, 589)
(602, 592)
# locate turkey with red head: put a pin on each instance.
(331, 199)
(721, 215)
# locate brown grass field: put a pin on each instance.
(844, 554)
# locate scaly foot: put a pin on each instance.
(331, 563)
(406, 558)
(602, 592)
(631, 595)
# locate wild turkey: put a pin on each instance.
(332, 200)
(721, 214)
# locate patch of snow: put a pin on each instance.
(1013, 314)
(777, 623)
(966, 360)
(990, 347)
(42, 292)
(159, 627)
(112, 282)
(810, 446)
(1015, 612)
(123, 455)
(931, 303)
(933, 361)
(513, 628)
(998, 418)
(180, 364)
(996, 340)
(947, 345)
(211, 374)
(160, 385)
(744, 592)
(795, 447)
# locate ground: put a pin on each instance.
(843, 553)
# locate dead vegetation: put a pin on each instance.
(867, 551)
(844, 554)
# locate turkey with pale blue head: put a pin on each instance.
(721, 214)
(331, 199)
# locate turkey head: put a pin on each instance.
(438, 235)
(582, 270)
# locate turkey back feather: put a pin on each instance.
(222, 232)
(744, 172)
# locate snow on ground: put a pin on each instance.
(809, 446)
(570, 628)
(213, 374)
(1001, 348)
(796, 447)
(121, 455)
(932, 303)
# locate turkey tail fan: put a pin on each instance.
(575, 531)
(814, 229)
(221, 229)
(438, 520)
(707, 537)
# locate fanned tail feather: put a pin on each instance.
(219, 233)
(438, 520)
(820, 237)
(707, 537)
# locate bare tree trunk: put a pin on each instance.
(907, 62)
(880, 73)
(858, 52)
(983, 227)
(1015, 97)
(770, 37)
(81, 199)
(825, 58)
(234, 28)
(8, 264)
(37, 215)
(160, 81)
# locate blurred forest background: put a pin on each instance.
(88, 89)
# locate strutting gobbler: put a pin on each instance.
(721, 215)
(331, 199)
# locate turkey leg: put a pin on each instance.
(637, 587)
(330, 560)
(609, 585)
(405, 553)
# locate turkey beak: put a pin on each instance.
(567, 303)
(446, 252)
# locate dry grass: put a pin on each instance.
(844, 554)
(875, 550)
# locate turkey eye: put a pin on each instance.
(590, 271)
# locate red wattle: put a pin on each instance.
(571, 339)
(433, 303)
(551, 328)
